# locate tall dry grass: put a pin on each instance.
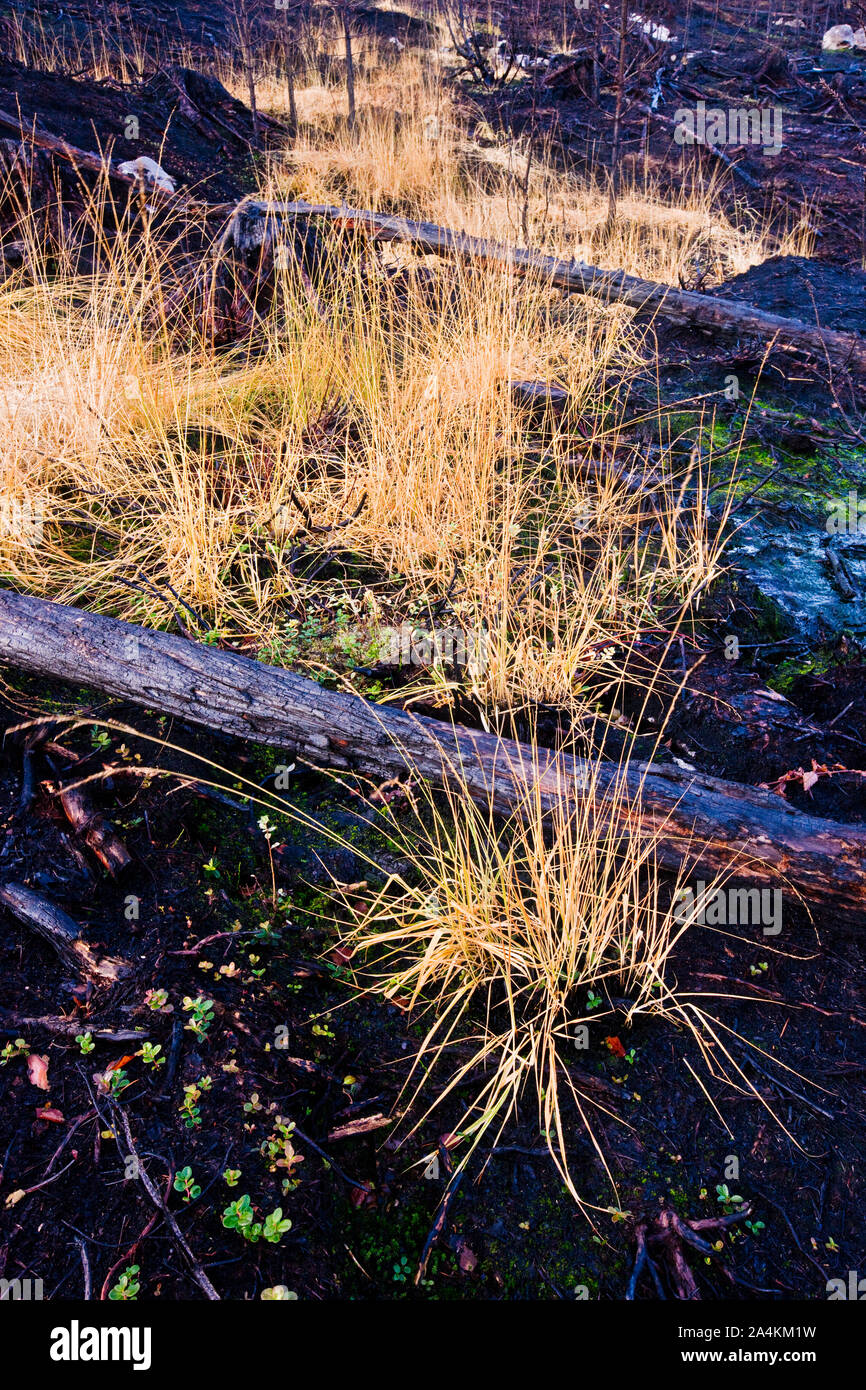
(414, 151)
(114, 50)
(168, 476)
(391, 417)
(519, 948)
(169, 473)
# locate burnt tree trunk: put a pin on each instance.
(617, 117)
(691, 818)
(724, 316)
(350, 65)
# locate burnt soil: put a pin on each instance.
(201, 868)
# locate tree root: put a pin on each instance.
(660, 1247)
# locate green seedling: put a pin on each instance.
(184, 1182)
(189, 1109)
(278, 1152)
(149, 1054)
(728, 1199)
(200, 1011)
(127, 1287)
(402, 1270)
(238, 1216)
(157, 1000)
(117, 1080)
(275, 1226)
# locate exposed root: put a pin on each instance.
(660, 1248)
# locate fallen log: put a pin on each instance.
(690, 818)
(252, 222)
(83, 160)
(59, 930)
(54, 145)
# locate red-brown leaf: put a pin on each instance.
(37, 1070)
(47, 1112)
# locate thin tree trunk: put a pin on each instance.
(620, 86)
(293, 106)
(350, 67)
(244, 30)
(251, 87)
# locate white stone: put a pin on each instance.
(842, 37)
(150, 171)
(660, 32)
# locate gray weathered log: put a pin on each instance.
(251, 222)
(689, 817)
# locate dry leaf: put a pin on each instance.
(808, 779)
(121, 1062)
(37, 1070)
(47, 1112)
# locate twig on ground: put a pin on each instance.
(125, 1258)
(85, 1267)
(197, 1272)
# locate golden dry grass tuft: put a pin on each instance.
(510, 945)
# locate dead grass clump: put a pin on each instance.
(516, 947)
